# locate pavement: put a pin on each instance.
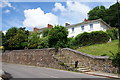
(25, 71)
(109, 75)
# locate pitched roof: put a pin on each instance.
(89, 21)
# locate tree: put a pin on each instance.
(11, 32)
(45, 32)
(112, 15)
(43, 43)
(16, 38)
(97, 12)
(58, 37)
(33, 40)
(1, 34)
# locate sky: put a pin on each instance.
(39, 14)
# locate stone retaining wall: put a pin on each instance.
(35, 57)
(96, 63)
(46, 58)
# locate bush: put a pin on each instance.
(83, 39)
(113, 33)
(43, 43)
(99, 37)
(95, 37)
(116, 61)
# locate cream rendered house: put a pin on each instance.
(87, 26)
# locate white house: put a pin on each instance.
(87, 26)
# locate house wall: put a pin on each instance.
(97, 26)
(103, 27)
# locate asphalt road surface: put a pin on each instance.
(24, 71)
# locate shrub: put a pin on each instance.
(95, 37)
(113, 33)
(116, 61)
(84, 39)
(43, 43)
(71, 43)
(99, 37)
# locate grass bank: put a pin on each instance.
(100, 49)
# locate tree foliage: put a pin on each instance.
(109, 15)
(113, 33)
(97, 12)
(35, 41)
(58, 37)
(45, 32)
(16, 38)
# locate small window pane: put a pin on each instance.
(91, 26)
(73, 29)
(82, 27)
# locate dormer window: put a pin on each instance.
(82, 27)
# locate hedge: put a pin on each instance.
(113, 33)
(95, 37)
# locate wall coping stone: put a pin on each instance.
(88, 55)
(8, 51)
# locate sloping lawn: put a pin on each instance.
(100, 49)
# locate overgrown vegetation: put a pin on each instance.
(116, 61)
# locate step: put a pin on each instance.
(83, 70)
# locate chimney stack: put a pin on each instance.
(49, 26)
(85, 19)
(67, 24)
(35, 29)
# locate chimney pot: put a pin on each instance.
(50, 26)
(35, 29)
(67, 24)
(85, 20)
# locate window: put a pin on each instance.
(82, 27)
(91, 26)
(72, 36)
(73, 29)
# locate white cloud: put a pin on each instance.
(58, 6)
(37, 18)
(7, 11)
(73, 12)
(4, 32)
(5, 3)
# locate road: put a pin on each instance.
(24, 71)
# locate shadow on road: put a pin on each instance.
(7, 76)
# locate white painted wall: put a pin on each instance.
(97, 26)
